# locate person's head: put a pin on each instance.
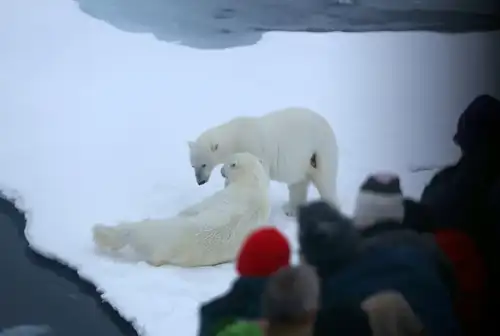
(291, 297)
(390, 315)
(477, 128)
(380, 199)
(328, 239)
(263, 252)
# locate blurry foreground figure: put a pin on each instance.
(291, 301)
(289, 306)
(465, 197)
(353, 268)
(263, 252)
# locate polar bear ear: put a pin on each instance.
(191, 144)
(214, 147)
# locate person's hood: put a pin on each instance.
(328, 239)
(478, 128)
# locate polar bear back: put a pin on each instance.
(207, 233)
(285, 139)
(215, 234)
(219, 244)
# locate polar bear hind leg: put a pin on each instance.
(297, 195)
(156, 259)
(113, 238)
(324, 176)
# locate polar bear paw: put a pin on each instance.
(290, 210)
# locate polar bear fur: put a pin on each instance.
(208, 233)
(287, 140)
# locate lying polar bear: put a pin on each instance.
(297, 145)
(207, 233)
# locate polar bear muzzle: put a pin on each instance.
(203, 171)
(202, 175)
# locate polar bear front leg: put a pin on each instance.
(297, 195)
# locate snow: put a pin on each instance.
(94, 124)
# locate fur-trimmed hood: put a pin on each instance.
(327, 238)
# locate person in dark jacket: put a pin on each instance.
(353, 272)
(468, 266)
(381, 216)
(494, 204)
(264, 252)
(459, 197)
(459, 261)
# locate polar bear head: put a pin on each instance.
(203, 160)
(211, 148)
(244, 168)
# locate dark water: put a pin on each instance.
(212, 24)
(41, 297)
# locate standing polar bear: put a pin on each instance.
(207, 233)
(297, 145)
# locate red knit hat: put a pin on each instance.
(263, 252)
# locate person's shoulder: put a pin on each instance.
(225, 301)
(241, 300)
(403, 250)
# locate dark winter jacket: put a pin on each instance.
(352, 272)
(494, 205)
(461, 197)
(342, 319)
(458, 196)
(242, 301)
(395, 234)
(418, 217)
(461, 267)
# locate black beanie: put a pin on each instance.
(328, 240)
(379, 199)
